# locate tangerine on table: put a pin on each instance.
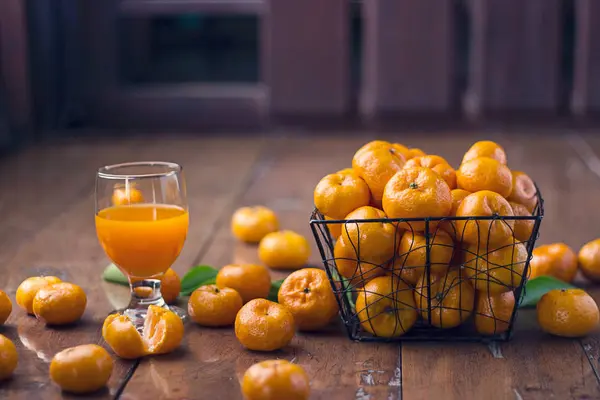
(523, 227)
(284, 250)
(60, 303)
(348, 265)
(485, 173)
(81, 369)
(5, 307)
(589, 260)
(568, 313)
(308, 295)
(485, 148)
(458, 196)
(493, 312)
(251, 224)
(436, 163)
(263, 325)
(170, 286)
(556, 259)
(251, 281)
(338, 194)
(210, 305)
(386, 307)
(417, 192)
(28, 289)
(9, 358)
(524, 191)
(275, 380)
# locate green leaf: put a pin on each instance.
(537, 287)
(275, 286)
(196, 277)
(113, 274)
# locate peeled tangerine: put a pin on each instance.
(81, 369)
(162, 333)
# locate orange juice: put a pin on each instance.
(142, 239)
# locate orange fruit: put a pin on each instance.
(335, 230)
(490, 232)
(450, 226)
(349, 267)
(81, 369)
(524, 191)
(338, 194)
(386, 307)
(436, 163)
(284, 250)
(251, 281)
(264, 325)
(5, 307)
(162, 333)
(557, 260)
(417, 193)
(210, 305)
(484, 173)
(275, 380)
(412, 153)
(372, 242)
(589, 260)
(485, 148)
(9, 358)
(411, 259)
(568, 313)
(60, 303)
(495, 270)
(376, 162)
(29, 287)
(126, 194)
(523, 227)
(251, 224)
(307, 293)
(493, 312)
(402, 149)
(170, 286)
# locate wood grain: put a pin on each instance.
(586, 82)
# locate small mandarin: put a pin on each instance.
(493, 312)
(275, 380)
(170, 286)
(346, 261)
(556, 259)
(524, 191)
(436, 163)
(402, 149)
(485, 148)
(251, 224)
(523, 227)
(335, 230)
(484, 173)
(251, 281)
(28, 289)
(568, 313)
(5, 307)
(338, 194)
(60, 303)
(9, 358)
(589, 260)
(412, 153)
(264, 325)
(163, 330)
(284, 250)
(210, 305)
(458, 196)
(81, 369)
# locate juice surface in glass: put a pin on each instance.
(142, 239)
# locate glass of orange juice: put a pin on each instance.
(142, 222)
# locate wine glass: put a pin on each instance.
(142, 222)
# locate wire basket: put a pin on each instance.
(452, 278)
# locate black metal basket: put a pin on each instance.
(467, 296)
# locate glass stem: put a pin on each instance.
(145, 292)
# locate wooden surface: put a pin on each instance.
(586, 80)
(47, 203)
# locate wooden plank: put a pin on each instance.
(337, 367)
(408, 60)
(514, 58)
(166, 7)
(307, 70)
(74, 253)
(586, 80)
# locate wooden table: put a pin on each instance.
(46, 198)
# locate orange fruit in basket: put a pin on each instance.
(284, 250)
(568, 313)
(170, 286)
(436, 163)
(5, 307)
(417, 193)
(402, 149)
(489, 232)
(589, 260)
(524, 190)
(412, 153)
(126, 194)
(523, 227)
(81, 369)
(336, 195)
(385, 307)
(335, 230)
(372, 242)
(557, 260)
(346, 261)
(493, 312)
(28, 289)
(264, 325)
(308, 295)
(9, 358)
(251, 281)
(485, 173)
(275, 380)
(485, 148)
(251, 224)
(59, 304)
(210, 305)
(495, 269)
(376, 162)
(411, 259)
(450, 226)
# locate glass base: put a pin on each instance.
(138, 315)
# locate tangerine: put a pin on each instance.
(523, 227)
(275, 380)
(81, 369)
(251, 224)
(338, 194)
(264, 325)
(170, 286)
(458, 196)
(493, 312)
(485, 148)
(5, 307)
(9, 358)
(524, 191)
(251, 281)
(29, 287)
(588, 260)
(557, 260)
(568, 313)
(436, 163)
(485, 173)
(210, 305)
(284, 250)
(60, 303)
(348, 265)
